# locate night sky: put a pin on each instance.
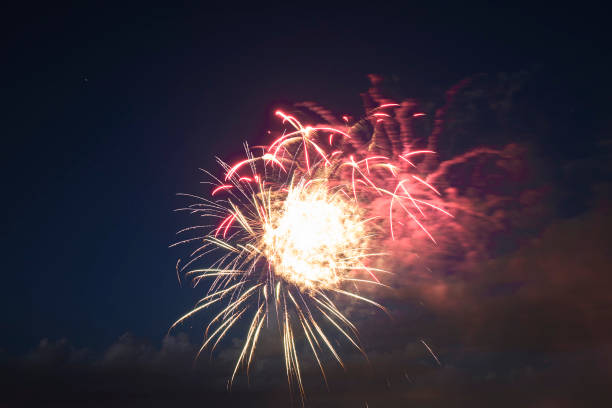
(110, 111)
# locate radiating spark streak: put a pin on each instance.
(236, 167)
(381, 307)
(308, 325)
(234, 318)
(226, 324)
(333, 309)
(408, 161)
(186, 241)
(431, 352)
(417, 152)
(232, 306)
(252, 328)
(199, 253)
(220, 292)
(422, 227)
(225, 221)
(178, 275)
(416, 222)
(427, 184)
(367, 159)
(194, 311)
(366, 281)
(273, 159)
(214, 270)
(414, 202)
(310, 337)
(349, 338)
(432, 206)
(254, 342)
(222, 244)
(306, 158)
(290, 119)
(266, 158)
(220, 188)
(326, 341)
(192, 228)
(372, 275)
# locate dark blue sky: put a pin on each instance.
(110, 110)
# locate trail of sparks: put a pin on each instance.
(296, 228)
(431, 352)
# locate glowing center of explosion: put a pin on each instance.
(315, 238)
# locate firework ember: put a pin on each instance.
(298, 233)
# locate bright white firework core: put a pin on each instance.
(315, 238)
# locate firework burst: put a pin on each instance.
(297, 232)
